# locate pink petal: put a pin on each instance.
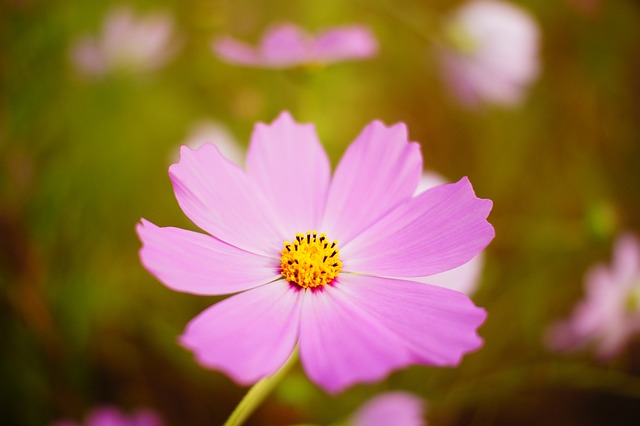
(391, 408)
(440, 229)
(625, 266)
(437, 324)
(106, 416)
(378, 171)
(464, 278)
(285, 45)
(249, 335)
(235, 52)
(364, 327)
(87, 57)
(220, 198)
(200, 264)
(288, 164)
(354, 42)
(341, 344)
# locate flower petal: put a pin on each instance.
(363, 327)
(625, 266)
(391, 408)
(220, 198)
(341, 344)
(284, 45)
(440, 229)
(234, 51)
(288, 164)
(249, 335)
(437, 324)
(343, 43)
(200, 264)
(464, 278)
(378, 171)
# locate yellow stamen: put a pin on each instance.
(310, 261)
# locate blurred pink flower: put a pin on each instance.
(331, 298)
(392, 408)
(490, 53)
(111, 416)
(287, 45)
(610, 313)
(126, 43)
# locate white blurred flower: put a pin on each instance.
(392, 408)
(210, 131)
(609, 315)
(464, 278)
(126, 43)
(490, 53)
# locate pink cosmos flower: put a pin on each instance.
(610, 313)
(392, 408)
(126, 43)
(491, 53)
(111, 416)
(288, 45)
(310, 256)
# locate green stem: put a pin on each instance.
(258, 393)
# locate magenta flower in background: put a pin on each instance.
(609, 315)
(490, 53)
(111, 416)
(310, 256)
(287, 45)
(126, 43)
(465, 278)
(392, 408)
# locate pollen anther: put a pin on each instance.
(309, 261)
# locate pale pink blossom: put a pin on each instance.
(309, 256)
(490, 53)
(609, 315)
(112, 416)
(126, 43)
(391, 408)
(287, 45)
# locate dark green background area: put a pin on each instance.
(83, 324)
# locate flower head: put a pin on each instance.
(288, 45)
(111, 416)
(344, 235)
(490, 53)
(127, 43)
(609, 315)
(391, 408)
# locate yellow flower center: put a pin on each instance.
(310, 260)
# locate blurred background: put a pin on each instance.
(84, 155)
